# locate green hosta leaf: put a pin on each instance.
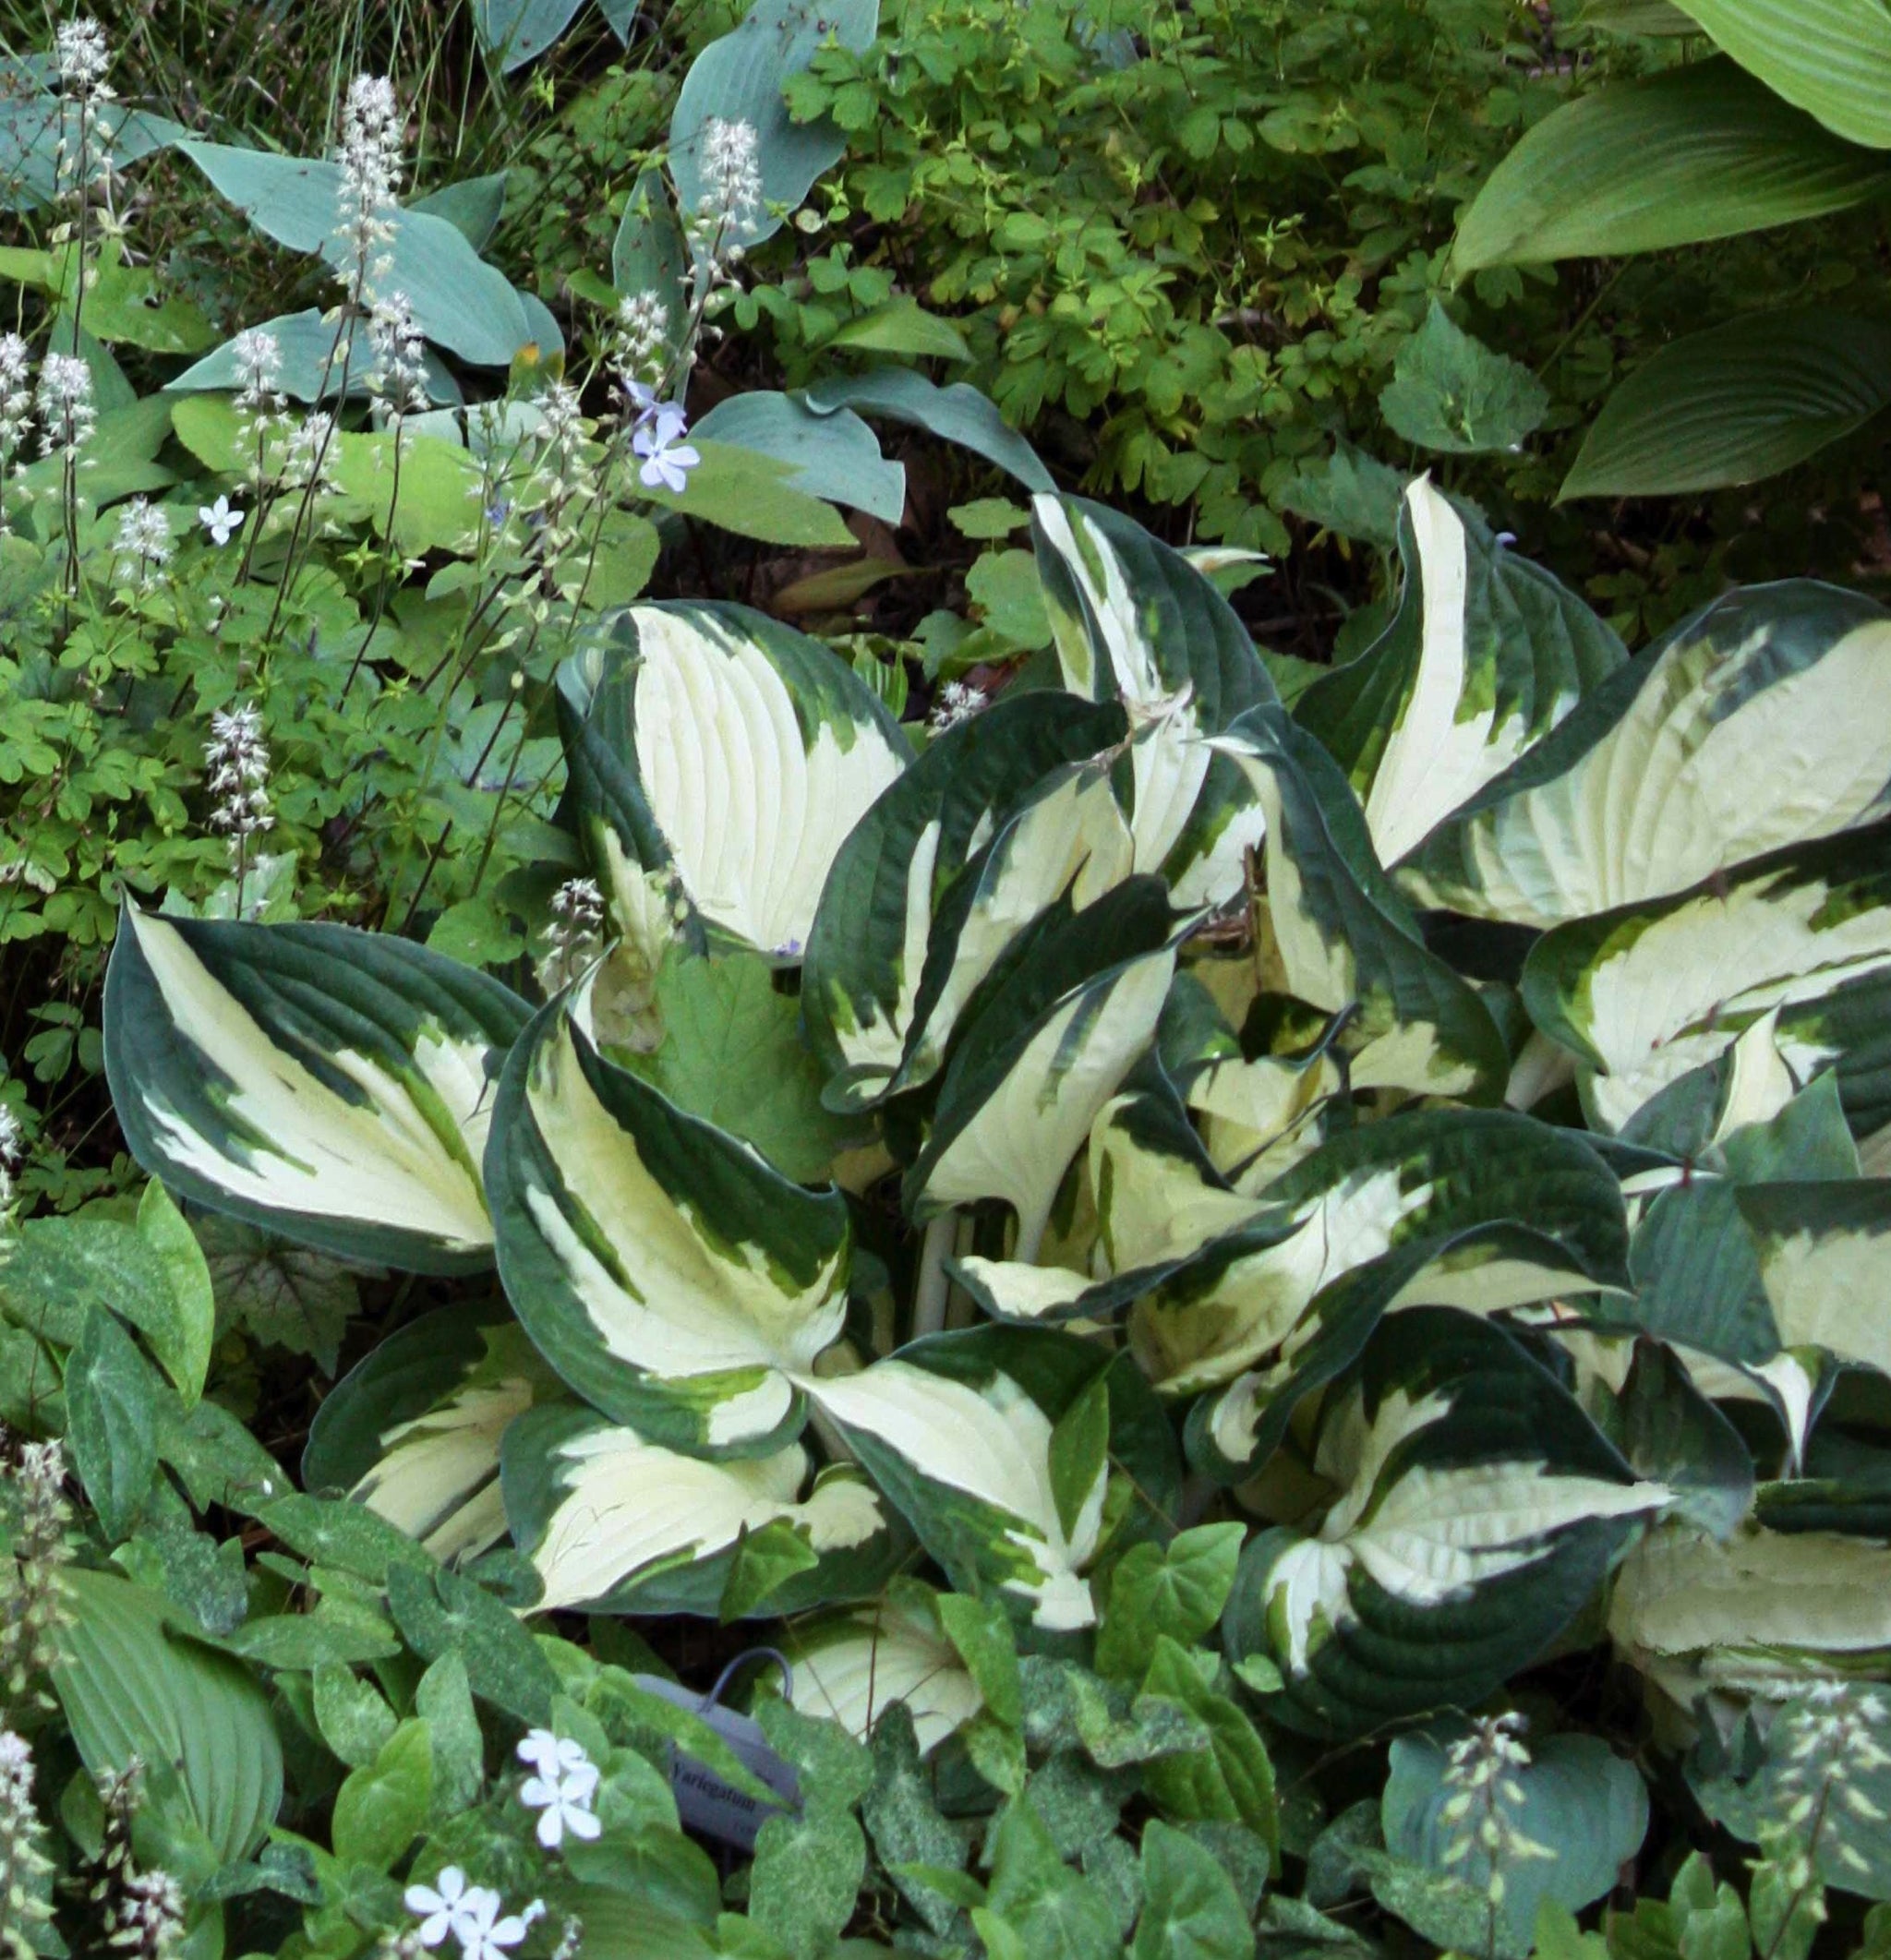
(458, 301)
(414, 1433)
(1697, 152)
(870, 950)
(1049, 1046)
(1735, 404)
(708, 742)
(1832, 57)
(1739, 733)
(130, 1687)
(1134, 620)
(614, 1522)
(1450, 392)
(1177, 1591)
(669, 1274)
(1486, 656)
(959, 413)
(1191, 1909)
(750, 495)
(1344, 937)
(740, 79)
(332, 1085)
(1588, 1805)
(380, 1807)
(835, 456)
(1479, 1510)
(957, 1431)
(1751, 1613)
(854, 1667)
(732, 1052)
(1645, 994)
(111, 1417)
(520, 30)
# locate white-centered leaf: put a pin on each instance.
(673, 1277)
(1485, 656)
(602, 1513)
(1646, 994)
(1478, 1507)
(1763, 721)
(853, 1667)
(969, 1464)
(735, 752)
(333, 1085)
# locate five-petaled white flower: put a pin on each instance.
(219, 519)
(441, 1907)
(484, 1935)
(562, 1790)
(666, 460)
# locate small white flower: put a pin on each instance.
(219, 519)
(666, 460)
(562, 1790)
(550, 1754)
(957, 701)
(442, 1908)
(482, 1934)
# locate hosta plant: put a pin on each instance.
(1400, 1179)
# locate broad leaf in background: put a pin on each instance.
(130, 1687)
(1761, 721)
(1345, 940)
(332, 1085)
(1645, 994)
(1450, 394)
(739, 79)
(666, 1272)
(1752, 1614)
(1832, 57)
(1695, 153)
(1486, 656)
(711, 742)
(835, 456)
(1050, 1043)
(1735, 404)
(615, 1523)
(851, 1667)
(868, 947)
(958, 413)
(1478, 1510)
(459, 302)
(1585, 1803)
(520, 30)
(414, 1430)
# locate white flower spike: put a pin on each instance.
(219, 519)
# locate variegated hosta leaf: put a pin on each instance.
(1762, 721)
(619, 1525)
(1262, 1116)
(1478, 1510)
(868, 948)
(961, 1433)
(1047, 1047)
(1760, 1615)
(853, 1667)
(1645, 995)
(413, 1431)
(1825, 1263)
(332, 1085)
(1344, 940)
(1518, 1213)
(672, 1278)
(734, 751)
(1137, 621)
(1487, 654)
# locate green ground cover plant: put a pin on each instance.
(741, 1217)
